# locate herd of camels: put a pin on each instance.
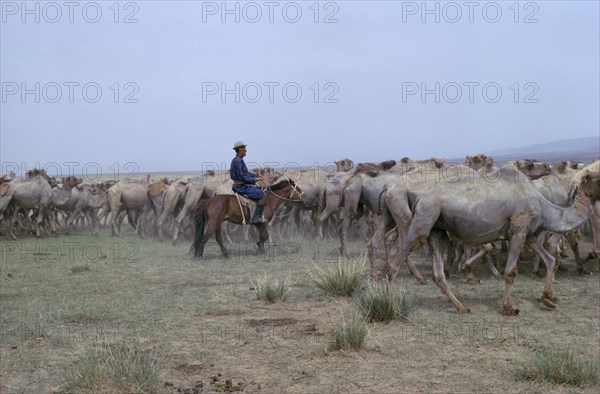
(470, 208)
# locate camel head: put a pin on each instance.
(476, 162)
(533, 169)
(386, 165)
(343, 165)
(589, 184)
(7, 177)
(71, 181)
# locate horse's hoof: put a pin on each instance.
(473, 281)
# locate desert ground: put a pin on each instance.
(203, 329)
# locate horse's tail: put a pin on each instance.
(199, 224)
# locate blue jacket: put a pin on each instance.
(239, 172)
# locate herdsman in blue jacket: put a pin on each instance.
(244, 182)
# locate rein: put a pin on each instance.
(294, 187)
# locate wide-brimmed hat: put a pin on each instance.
(239, 144)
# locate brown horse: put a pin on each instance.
(227, 207)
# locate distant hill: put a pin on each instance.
(584, 150)
(587, 144)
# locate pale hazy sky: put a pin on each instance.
(150, 91)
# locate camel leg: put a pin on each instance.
(11, 224)
(89, 221)
(140, 225)
(388, 240)
(159, 224)
(510, 272)
(342, 228)
(176, 227)
(492, 265)
(547, 295)
(115, 221)
(320, 219)
(380, 233)
(451, 246)
(595, 222)
(547, 238)
(437, 242)
(574, 244)
(418, 233)
(219, 238)
(467, 265)
(43, 212)
(227, 234)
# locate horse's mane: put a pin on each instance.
(281, 184)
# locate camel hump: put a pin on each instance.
(156, 188)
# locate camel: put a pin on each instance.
(101, 205)
(478, 212)
(397, 210)
(173, 199)
(156, 192)
(365, 188)
(595, 216)
(566, 171)
(128, 195)
(71, 200)
(313, 181)
(332, 194)
(486, 167)
(7, 190)
(34, 192)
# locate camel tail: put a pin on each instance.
(199, 224)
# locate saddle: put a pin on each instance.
(244, 202)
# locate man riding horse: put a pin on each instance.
(244, 182)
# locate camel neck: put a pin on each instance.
(562, 220)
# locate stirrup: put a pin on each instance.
(259, 219)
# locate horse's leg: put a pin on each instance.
(219, 237)
(263, 237)
(213, 225)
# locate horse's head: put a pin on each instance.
(287, 189)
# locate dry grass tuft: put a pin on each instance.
(342, 279)
(560, 366)
(349, 335)
(272, 289)
(115, 368)
(378, 303)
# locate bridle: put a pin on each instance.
(295, 189)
